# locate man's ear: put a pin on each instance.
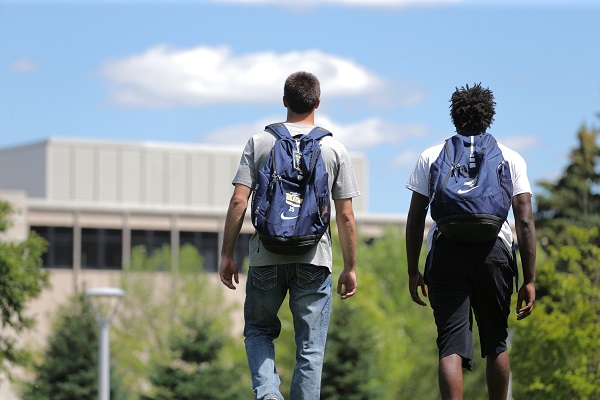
(285, 104)
(318, 102)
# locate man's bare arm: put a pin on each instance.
(525, 228)
(415, 228)
(344, 217)
(238, 204)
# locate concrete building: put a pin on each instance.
(93, 201)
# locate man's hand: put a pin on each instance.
(228, 270)
(414, 282)
(526, 295)
(346, 284)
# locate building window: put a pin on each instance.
(60, 246)
(207, 244)
(101, 248)
(151, 240)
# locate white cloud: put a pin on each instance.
(520, 143)
(23, 66)
(355, 136)
(355, 3)
(406, 158)
(370, 132)
(163, 77)
(237, 135)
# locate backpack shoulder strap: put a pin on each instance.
(488, 141)
(317, 133)
(280, 130)
(453, 147)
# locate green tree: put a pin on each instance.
(69, 369)
(574, 199)
(21, 280)
(351, 369)
(556, 351)
(161, 299)
(194, 371)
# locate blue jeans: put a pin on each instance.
(309, 289)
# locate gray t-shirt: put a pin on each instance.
(342, 184)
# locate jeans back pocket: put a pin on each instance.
(264, 277)
(310, 277)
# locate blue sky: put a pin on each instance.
(213, 71)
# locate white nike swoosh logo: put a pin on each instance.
(461, 191)
(284, 217)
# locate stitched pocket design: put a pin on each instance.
(310, 277)
(264, 278)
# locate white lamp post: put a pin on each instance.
(105, 302)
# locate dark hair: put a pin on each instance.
(302, 91)
(472, 108)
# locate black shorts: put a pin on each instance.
(464, 277)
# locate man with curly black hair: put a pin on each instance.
(466, 276)
(472, 109)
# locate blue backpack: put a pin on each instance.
(290, 205)
(470, 188)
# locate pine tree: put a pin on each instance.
(350, 369)
(195, 372)
(556, 351)
(574, 199)
(70, 365)
(166, 303)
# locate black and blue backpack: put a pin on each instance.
(291, 200)
(470, 188)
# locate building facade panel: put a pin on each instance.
(105, 220)
(24, 168)
(201, 171)
(59, 173)
(224, 172)
(177, 180)
(154, 188)
(109, 175)
(131, 176)
(83, 173)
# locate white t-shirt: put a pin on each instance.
(342, 185)
(419, 182)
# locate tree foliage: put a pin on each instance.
(574, 199)
(69, 368)
(21, 280)
(556, 351)
(351, 370)
(194, 370)
(161, 300)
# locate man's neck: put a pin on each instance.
(303, 119)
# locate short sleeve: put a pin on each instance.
(418, 181)
(518, 171)
(245, 174)
(344, 185)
